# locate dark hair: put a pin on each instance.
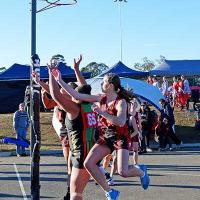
(122, 93)
(73, 85)
(162, 101)
(84, 89)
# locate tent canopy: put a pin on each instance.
(22, 72)
(14, 80)
(177, 67)
(123, 71)
(143, 90)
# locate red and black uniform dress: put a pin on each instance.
(136, 137)
(81, 134)
(115, 137)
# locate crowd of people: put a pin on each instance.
(177, 93)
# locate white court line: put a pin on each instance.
(178, 174)
(20, 182)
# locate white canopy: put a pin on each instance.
(141, 89)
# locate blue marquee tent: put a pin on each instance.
(123, 71)
(22, 72)
(177, 67)
(14, 80)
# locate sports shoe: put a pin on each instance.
(110, 182)
(149, 150)
(112, 195)
(171, 149)
(144, 179)
(107, 175)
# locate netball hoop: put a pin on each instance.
(56, 3)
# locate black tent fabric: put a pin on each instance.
(14, 80)
(123, 71)
(177, 67)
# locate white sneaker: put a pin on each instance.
(110, 182)
(149, 150)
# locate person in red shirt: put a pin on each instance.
(135, 129)
(181, 93)
(149, 80)
(175, 92)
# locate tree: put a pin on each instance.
(148, 64)
(59, 58)
(94, 68)
(161, 60)
(2, 69)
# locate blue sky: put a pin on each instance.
(149, 28)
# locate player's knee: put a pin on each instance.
(87, 164)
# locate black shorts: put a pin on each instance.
(115, 142)
(79, 149)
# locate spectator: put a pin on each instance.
(175, 92)
(20, 125)
(149, 80)
(167, 113)
(155, 82)
(186, 90)
(181, 93)
(197, 123)
(166, 134)
(164, 87)
(145, 127)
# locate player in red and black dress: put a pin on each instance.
(135, 129)
(80, 122)
(113, 132)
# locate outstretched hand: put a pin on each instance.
(53, 64)
(77, 63)
(56, 73)
(96, 109)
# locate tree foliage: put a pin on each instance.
(95, 68)
(59, 58)
(148, 64)
(2, 69)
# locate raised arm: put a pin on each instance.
(64, 102)
(71, 91)
(81, 80)
(120, 118)
(47, 102)
(41, 83)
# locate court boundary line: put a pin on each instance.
(20, 182)
(178, 174)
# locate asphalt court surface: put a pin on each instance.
(174, 175)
